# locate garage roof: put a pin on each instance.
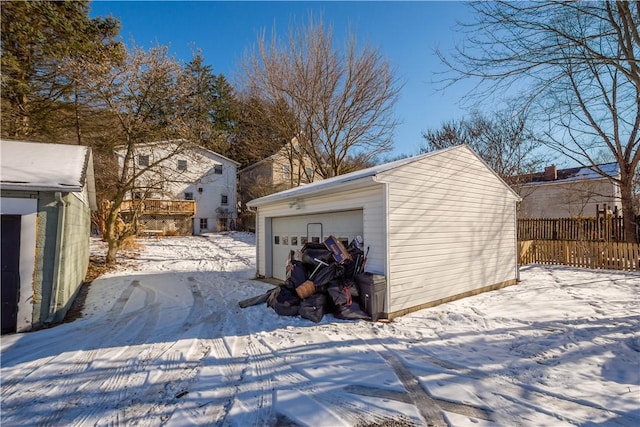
(39, 166)
(354, 179)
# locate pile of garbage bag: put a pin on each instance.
(321, 278)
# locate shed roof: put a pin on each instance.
(361, 177)
(44, 167)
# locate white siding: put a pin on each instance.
(451, 229)
(369, 199)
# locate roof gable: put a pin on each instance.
(188, 146)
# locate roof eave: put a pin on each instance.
(300, 192)
(38, 187)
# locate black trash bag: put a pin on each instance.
(284, 301)
(351, 312)
(296, 274)
(343, 291)
(315, 250)
(314, 307)
(325, 275)
(350, 267)
(353, 287)
(340, 294)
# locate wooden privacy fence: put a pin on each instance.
(607, 228)
(597, 255)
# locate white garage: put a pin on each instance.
(440, 226)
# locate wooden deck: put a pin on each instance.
(160, 207)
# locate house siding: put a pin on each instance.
(568, 199)
(451, 229)
(45, 256)
(75, 253)
(369, 199)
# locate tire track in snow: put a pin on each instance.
(91, 337)
(511, 392)
(129, 376)
(241, 361)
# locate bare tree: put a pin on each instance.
(145, 97)
(503, 141)
(578, 64)
(342, 100)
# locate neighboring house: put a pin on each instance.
(186, 189)
(568, 193)
(48, 192)
(439, 226)
(280, 171)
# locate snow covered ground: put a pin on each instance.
(163, 341)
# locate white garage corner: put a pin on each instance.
(439, 226)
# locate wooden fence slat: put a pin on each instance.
(609, 228)
(585, 254)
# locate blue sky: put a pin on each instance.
(405, 32)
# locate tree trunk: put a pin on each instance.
(112, 235)
(628, 214)
(112, 251)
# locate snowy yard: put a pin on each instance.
(163, 341)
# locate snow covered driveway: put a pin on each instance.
(163, 342)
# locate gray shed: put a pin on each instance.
(48, 192)
(440, 226)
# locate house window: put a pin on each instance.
(217, 169)
(188, 196)
(182, 165)
(137, 195)
(276, 240)
(224, 200)
(204, 223)
(309, 173)
(143, 160)
(286, 171)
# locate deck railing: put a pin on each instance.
(160, 207)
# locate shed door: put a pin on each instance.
(10, 260)
(290, 233)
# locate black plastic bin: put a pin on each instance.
(372, 289)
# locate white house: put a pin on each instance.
(438, 226)
(48, 192)
(566, 193)
(185, 188)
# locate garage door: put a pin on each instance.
(290, 233)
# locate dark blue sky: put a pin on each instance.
(405, 32)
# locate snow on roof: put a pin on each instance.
(42, 167)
